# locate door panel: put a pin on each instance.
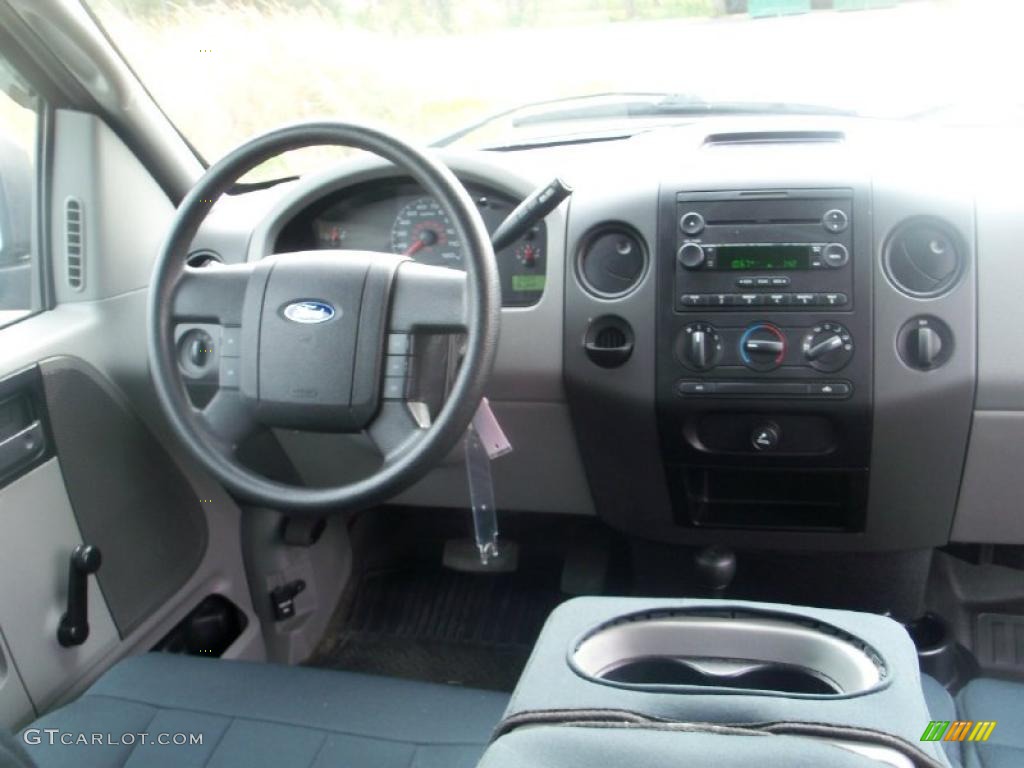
(40, 531)
(129, 497)
(118, 478)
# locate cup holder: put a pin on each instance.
(936, 648)
(753, 651)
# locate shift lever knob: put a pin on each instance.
(716, 567)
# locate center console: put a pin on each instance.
(770, 343)
(610, 679)
(764, 357)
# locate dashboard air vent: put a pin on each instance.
(924, 257)
(74, 243)
(611, 261)
(609, 341)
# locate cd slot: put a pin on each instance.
(756, 222)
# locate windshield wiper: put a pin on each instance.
(633, 105)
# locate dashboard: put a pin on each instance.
(762, 331)
(396, 216)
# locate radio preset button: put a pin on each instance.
(751, 299)
(693, 299)
(835, 221)
(804, 299)
(832, 299)
(692, 223)
(778, 299)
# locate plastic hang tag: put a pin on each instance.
(485, 441)
(491, 434)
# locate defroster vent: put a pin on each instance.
(74, 242)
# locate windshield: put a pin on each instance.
(428, 69)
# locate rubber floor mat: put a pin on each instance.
(439, 625)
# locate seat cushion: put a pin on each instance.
(251, 714)
(941, 707)
(1003, 702)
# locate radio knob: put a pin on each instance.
(763, 347)
(690, 255)
(835, 255)
(700, 346)
(828, 347)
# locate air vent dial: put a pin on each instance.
(924, 258)
(612, 261)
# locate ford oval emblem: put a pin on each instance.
(309, 312)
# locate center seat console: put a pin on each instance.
(644, 682)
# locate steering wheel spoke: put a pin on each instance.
(428, 298)
(215, 293)
(229, 418)
(397, 429)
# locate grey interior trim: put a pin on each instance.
(144, 517)
(990, 499)
(722, 647)
(1000, 217)
(921, 418)
(73, 39)
(325, 567)
(36, 512)
(109, 335)
(15, 705)
(92, 165)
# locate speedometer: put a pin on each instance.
(423, 231)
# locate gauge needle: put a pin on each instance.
(425, 238)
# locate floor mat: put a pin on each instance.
(428, 623)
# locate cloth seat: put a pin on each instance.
(256, 715)
(1002, 701)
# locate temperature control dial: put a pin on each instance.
(700, 346)
(827, 347)
(763, 347)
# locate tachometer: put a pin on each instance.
(423, 231)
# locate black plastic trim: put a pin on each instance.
(28, 383)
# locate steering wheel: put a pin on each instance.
(323, 340)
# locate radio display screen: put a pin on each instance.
(743, 258)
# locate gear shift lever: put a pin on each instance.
(716, 567)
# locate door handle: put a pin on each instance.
(74, 624)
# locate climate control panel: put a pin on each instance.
(827, 347)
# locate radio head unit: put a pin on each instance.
(737, 250)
